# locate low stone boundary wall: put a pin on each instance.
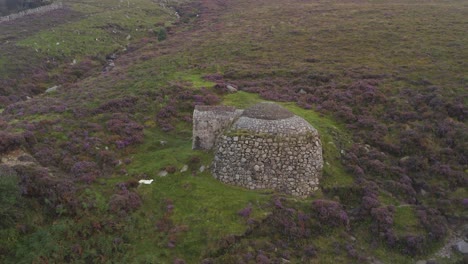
(37, 10)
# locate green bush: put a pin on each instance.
(9, 196)
(162, 34)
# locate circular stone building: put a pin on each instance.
(268, 147)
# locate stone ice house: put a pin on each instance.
(262, 147)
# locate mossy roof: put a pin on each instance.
(267, 111)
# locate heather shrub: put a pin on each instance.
(215, 77)
(412, 245)
(9, 141)
(206, 98)
(262, 259)
(369, 202)
(382, 224)
(117, 105)
(330, 213)
(401, 189)
(167, 111)
(77, 71)
(166, 127)
(86, 171)
(124, 202)
(53, 192)
(245, 212)
(46, 155)
(106, 160)
(129, 131)
(457, 110)
(284, 221)
(310, 251)
(383, 217)
(434, 223)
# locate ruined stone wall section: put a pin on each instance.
(37, 10)
(209, 123)
(287, 163)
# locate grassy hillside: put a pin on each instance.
(384, 82)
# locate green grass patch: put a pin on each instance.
(366, 241)
(196, 80)
(205, 206)
(102, 31)
(387, 199)
(405, 221)
(459, 193)
(242, 100)
(160, 150)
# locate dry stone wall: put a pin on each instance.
(209, 122)
(262, 147)
(284, 155)
(38, 10)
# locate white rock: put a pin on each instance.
(162, 173)
(52, 89)
(145, 181)
(184, 168)
(461, 246)
(231, 88)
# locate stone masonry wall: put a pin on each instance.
(288, 163)
(209, 122)
(38, 10)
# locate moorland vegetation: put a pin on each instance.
(384, 83)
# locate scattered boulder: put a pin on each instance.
(231, 88)
(461, 247)
(184, 168)
(162, 173)
(112, 56)
(52, 89)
